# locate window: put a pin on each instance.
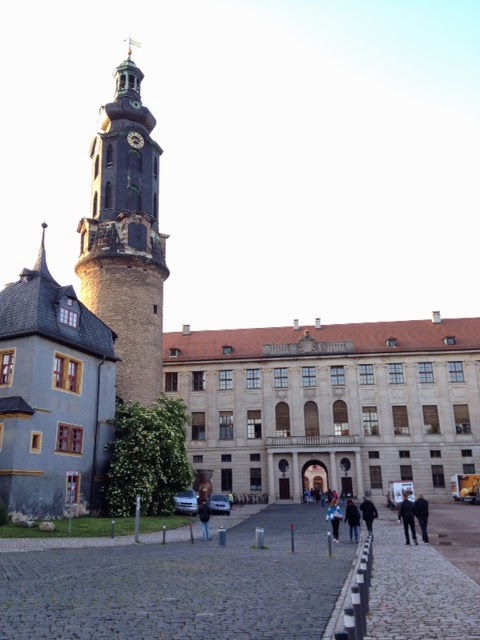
(462, 419)
(109, 156)
(227, 350)
(468, 468)
(395, 373)
(253, 378)
(438, 478)
(254, 457)
(340, 418)
(337, 376)
(425, 372)
(226, 457)
(376, 477)
(6, 371)
(72, 493)
(310, 416)
(400, 420)
(450, 340)
(430, 419)
(254, 424)
(197, 459)
(227, 480)
(366, 374)
(255, 479)
(392, 343)
(36, 442)
(69, 438)
(406, 473)
(174, 352)
(171, 382)
(226, 425)
(280, 378)
(370, 421)
(435, 453)
(455, 372)
(108, 196)
(404, 454)
(198, 380)
(309, 377)
(282, 420)
(467, 453)
(97, 167)
(69, 317)
(373, 455)
(67, 373)
(198, 425)
(226, 380)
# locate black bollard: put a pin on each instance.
(359, 613)
(164, 541)
(191, 532)
(349, 623)
(341, 635)
(361, 586)
(292, 534)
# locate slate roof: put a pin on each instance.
(15, 404)
(30, 307)
(362, 338)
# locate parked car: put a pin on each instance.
(219, 504)
(187, 502)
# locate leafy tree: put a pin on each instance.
(149, 457)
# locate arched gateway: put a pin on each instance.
(315, 477)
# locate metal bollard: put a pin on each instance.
(364, 566)
(222, 537)
(361, 586)
(164, 541)
(349, 623)
(113, 528)
(360, 618)
(292, 530)
(341, 635)
(329, 538)
(191, 532)
(259, 538)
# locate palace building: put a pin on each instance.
(350, 407)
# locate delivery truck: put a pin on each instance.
(466, 487)
(396, 489)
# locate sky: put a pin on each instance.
(321, 157)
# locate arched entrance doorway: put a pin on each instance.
(315, 478)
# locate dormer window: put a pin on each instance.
(450, 340)
(174, 352)
(69, 316)
(392, 343)
(227, 350)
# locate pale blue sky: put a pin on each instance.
(321, 158)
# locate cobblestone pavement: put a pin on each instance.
(416, 593)
(181, 590)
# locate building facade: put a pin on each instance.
(57, 398)
(122, 265)
(275, 411)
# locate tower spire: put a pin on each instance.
(41, 263)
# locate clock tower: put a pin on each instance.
(122, 264)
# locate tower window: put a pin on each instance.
(155, 206)
(95, 204)
(155, 168)
(108, 195)
(97, 166)
(109, 156)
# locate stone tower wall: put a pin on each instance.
(127, 295)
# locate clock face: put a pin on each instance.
(135, 140)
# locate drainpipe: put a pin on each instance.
(95, 442)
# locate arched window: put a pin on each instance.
(108, 196)
(109, 156)
(340, 418)
(282, 420)
(155, 167)
(155, 206)
(135, 161)
(95, 204)
(97, 166)
(312, 426)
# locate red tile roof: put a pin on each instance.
(411, 336)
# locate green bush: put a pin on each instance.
(3, 514)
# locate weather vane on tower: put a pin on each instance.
(132, 43)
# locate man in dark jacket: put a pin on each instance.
(421, 512)
(204, 515)
(407, 513)
(369, 513)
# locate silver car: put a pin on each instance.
(219, 504)
(186, 502)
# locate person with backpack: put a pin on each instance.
(369, 511)
(204, 515)
(335, 515)
(352, 516)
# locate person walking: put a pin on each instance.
(204, 515)
(421, 513)
(369, 513)
(231, 500)
(335, 515)
(352, 516)
(406, 513)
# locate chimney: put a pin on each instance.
(318, 324)
(295, 325)
(436, 319)
(186, 330)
